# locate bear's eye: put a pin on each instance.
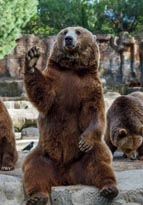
(65, 32)
(78, 32)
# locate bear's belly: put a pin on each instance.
(59, 140)
(63, 152)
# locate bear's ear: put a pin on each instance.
(141, 131)
(122, 132)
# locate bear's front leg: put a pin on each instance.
(92, 134)
(38, 86)
(91, 122)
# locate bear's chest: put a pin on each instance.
(68, 93)
(72, 90)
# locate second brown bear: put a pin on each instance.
(125, 125)
(8, 152)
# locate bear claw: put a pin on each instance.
(6, 168)
(84, 146)
(37, 201)
(109, 192)
(32, 57)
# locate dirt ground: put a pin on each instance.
(120, 163)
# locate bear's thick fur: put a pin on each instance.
(125, 125)
(68, 96)
(8, 152)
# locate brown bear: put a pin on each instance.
(125, 125)
(68, 96)
(8, 152)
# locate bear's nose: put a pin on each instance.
(68, 40)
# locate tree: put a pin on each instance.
(124, 15)
(53, 15)
(99, 16)
(14, 14)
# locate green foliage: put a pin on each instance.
(14, 14)
(127, 15)
(53, 15)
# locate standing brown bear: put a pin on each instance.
(8, 152)
(68, 96)
(125, 125)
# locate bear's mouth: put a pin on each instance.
(71, 48)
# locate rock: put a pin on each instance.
(30, 132)
(18, 136)
(11, 190)
(109, 97)
(23, 118)
(10, 87)
(23, 96)
(122, 202)
(20, 104)
(23, 114)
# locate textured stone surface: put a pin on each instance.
(30, 132)
(129, 183)
(11, 87)
(23, 117)
(109, 97)
(11, 190)
(20, 104)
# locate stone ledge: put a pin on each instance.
(130, 184)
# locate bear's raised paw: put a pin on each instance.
(32, 57)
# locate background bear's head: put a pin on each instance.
(128, 143)
(76, 48)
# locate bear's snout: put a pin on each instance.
(70, 40)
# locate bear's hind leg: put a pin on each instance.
(100, 171)
(40, 174)
(95, 169)
(101, 175)
(39, 199)
(106, 181)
